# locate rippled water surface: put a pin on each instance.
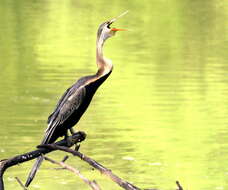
(162, 115)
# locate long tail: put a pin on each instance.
(34, 170)
(47, 139)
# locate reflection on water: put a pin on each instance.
(160, 117)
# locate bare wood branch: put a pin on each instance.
(124, 184)
(62, 145)
(92, 185)
(6, 163)
(20, 183)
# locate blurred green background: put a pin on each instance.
(160, 117)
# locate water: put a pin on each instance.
(160, 117)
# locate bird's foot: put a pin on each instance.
(76, 138)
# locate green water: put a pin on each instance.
(160, 117)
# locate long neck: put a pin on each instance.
(104, 65)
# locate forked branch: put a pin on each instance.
(93, 185)
(122, 183)
(6, 163)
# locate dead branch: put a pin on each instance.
(93, 185)
(6, 163)
(63, 146)
(124, 184)
(21, 184)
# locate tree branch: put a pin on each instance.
(124, 184)
(62, 145)
(6, 163)
(92, 184)
(21, 184)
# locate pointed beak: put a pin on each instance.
(118, 29)
(114, 19)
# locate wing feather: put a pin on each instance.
(62, 99)
(72, 104)
(68, 105)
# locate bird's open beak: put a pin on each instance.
(114, 19)
(118, 29)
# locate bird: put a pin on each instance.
(77, 98)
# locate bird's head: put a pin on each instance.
(105, 30)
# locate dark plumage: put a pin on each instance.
(71, 106)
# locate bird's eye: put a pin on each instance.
(108, 26)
